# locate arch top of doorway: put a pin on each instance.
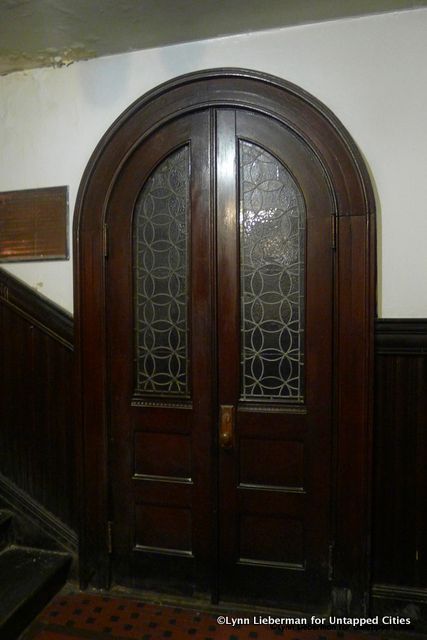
(354, 261)
(297, 108)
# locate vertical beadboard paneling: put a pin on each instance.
(400, 461)
(37, 441)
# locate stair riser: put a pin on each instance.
(30, 610)
(31, 577)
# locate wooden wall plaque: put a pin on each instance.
(34, 224)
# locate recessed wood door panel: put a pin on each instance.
(220, 292)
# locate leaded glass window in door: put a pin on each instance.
(272, 266)
(161, 265)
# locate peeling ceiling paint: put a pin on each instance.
(17, 60)
(39, 33)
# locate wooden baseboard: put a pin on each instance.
(406, 601)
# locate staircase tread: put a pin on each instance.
(23, 572)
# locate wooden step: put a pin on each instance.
(29, 578)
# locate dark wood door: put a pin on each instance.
(219, 324)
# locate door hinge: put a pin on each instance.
(105, 239)
(331, 561)
(333, 231)
(110, 536)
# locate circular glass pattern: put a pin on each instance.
(161, 265)
(272, 247)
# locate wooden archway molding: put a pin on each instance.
(354, 302)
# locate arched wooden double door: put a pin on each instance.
(220, 361)
(219, 320)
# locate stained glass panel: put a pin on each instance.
(161, 278)
(272, 247)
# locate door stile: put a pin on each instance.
(202, 305)
(228, 331)
(214, 563)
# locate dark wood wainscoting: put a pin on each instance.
(37, 440)
(400, 467)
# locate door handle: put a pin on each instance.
(226, 426)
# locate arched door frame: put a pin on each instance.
(353, 232)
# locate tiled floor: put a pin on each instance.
(99, 618)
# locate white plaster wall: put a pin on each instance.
(372, 72)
